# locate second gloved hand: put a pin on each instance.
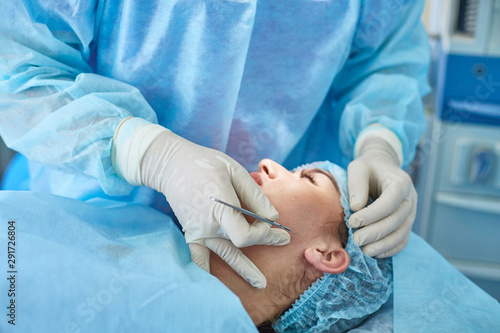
(385, 224)
(188, 174)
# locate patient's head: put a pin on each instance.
(308, 202)
(313, 204)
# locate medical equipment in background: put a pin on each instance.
(459, 159)
(249, 213)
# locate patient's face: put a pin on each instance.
(306, 200)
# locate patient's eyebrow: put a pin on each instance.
(329, 175)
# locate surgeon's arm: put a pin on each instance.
(57, 112)
(383, 83)
(54, 109)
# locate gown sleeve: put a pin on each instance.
(385, 77)
(54, 109)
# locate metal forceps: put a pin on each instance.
(249, 213)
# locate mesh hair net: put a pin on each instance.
(338, 302)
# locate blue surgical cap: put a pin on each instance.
(339, 302)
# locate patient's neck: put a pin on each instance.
(257, 302)
(263, 304)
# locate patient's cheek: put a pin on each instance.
(289, 206)
(296, 212)
(294, 201)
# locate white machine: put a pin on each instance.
(459, 197)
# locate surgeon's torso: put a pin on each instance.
(244, 77)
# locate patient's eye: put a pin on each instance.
(307, 174)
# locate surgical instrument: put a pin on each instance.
(249, 213)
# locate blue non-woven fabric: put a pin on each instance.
(430, 295)
(106, 266)
(295, 81)
(381, 321)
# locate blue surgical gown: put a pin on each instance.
(104, 266)
(295, 81)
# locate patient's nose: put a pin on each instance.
(270, 168)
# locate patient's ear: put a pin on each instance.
(329, 259)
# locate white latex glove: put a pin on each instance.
(188, 174)
(386, 223)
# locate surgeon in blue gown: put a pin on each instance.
(102, 97)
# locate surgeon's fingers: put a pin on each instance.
(235, 225)
(251, 195)
(395, 250)
(390, 243)
(383, 206)
(200, 256)
(237, 261)
(358, 178)
(377, 230)
(275, 236)
(239, 231)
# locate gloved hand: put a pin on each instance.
(188, 174)
(386, 223)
